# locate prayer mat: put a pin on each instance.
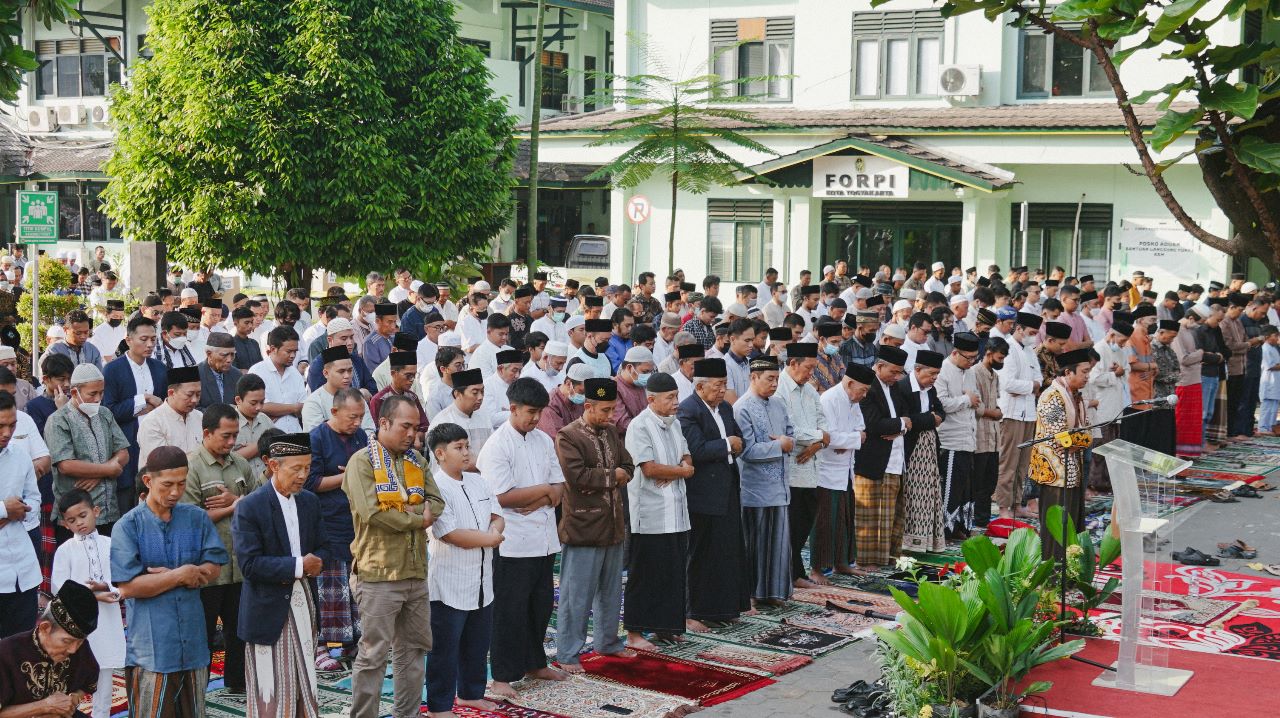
(788, 609)
(502, 710)
(701, 682)
(846, 598)
(762, 634)
(585, 697)
(843, 624)
(867, 584)
(1194, 610)
(1232, 465)
(696, 648)
(119, 697)
(334, 703)
(1198, 474)
(217, 662)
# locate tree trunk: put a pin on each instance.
(293, 275)
(671, 238)
(535, 125)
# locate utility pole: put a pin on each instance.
(535, 124)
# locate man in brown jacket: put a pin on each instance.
(1237, 341)
(596, 469)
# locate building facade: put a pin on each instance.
(898, 136)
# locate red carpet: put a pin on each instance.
(1254, 631)
(1222, 687)
(1226, 476)
(706, 684)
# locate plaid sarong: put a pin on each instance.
(1190, 417)
(339, 616)
(48, 546)
(878, 519)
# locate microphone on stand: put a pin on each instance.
(1169, 401)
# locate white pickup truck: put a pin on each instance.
(588, 258)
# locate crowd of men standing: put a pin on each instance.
(394, 475)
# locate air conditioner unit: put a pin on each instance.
(72, 115)
(960, 80)
(40, 119)
(100, 114)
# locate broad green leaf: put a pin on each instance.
(1174, 15)
(980, 553)
(1167, 130)
(1118, 29)
(1258, 154)
(1078, 10)
(1227, 58)
(1240, 99)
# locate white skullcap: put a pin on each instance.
(938, 265)
(900, 305)
(908, 294)
(188, 293)
(450, 339)
(413, 286)
(56, 332)
(828, 268)
(862, 293)
(955, 279)
(556, 349)
(899, 277)
(957, 299)
(337, 324)
(896, 331)
(1202, 311)
(671, 319)
(574, 322)
(638, 355)
(84, 374)
(737, 309)
(581, 372)
(1248, 288)
(481, 286)
(7, 352)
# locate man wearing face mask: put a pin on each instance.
(861, 347)
(547, 370)
(108, 334)
(986, 457)
(87, 448)
(566, 402)
(830, 367)
(424, 303)
(172, 349)
(552, 322)
(1020, 380)
(1109, 386)
(473, 322)
(804, 407)
(633, 377)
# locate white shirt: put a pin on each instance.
(511, 460)
(896, 459)
(289, 507)
(318, 407)
(143, 383)
(478, 426)
(1105, 386)
(656, 507)
(911, 348)
(472, 330)
(541, 301)
(88, 558)
(684, 387)
(805, 409)
(397, 294)
(1018, 378)
(427, 351)
(715, 416)
(533, 371)
(313, 332)
(554, 330)
(19, 568)
(461, 577)
(27, 435)
(485, 357)
(661, 350)
(845, 426)
(933, 284)
(959, 428)
(165, 427)
(495, 405)
(107, 338)
(282, 388)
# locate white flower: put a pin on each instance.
(904, 563)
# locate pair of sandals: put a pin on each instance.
(1237, 549)
(863, 699)
(1194, 557)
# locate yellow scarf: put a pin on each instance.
(388, 486)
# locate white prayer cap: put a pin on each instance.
(938, 265)
(574, 322)
(1248, 288)
(955, 279)
(908, 294)
(556, 349)
(737, 309)
(481, 287)
(56, 332)
(638, 355)
(450, 339)
(958, 299)
(862, 293)
(188, 293)
(671, 319)
(84, 374)
(828, 268)
(896, 331)
(413, 286)
(7, 352)
(581, 372)
(1202, 311)
(337, 324)
(900, 305)
(899, 277)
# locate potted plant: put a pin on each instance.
(1083, 556)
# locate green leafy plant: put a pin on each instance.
(1227, 97)
(279, 137)
(674, 128)
(1083, 556)
(55, 301)
(938, 634)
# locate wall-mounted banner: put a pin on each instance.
(846, 176)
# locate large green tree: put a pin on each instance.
(1226, 96)
(282, 136)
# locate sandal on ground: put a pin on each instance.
(1263, 486)
(1246, 492)
(1273, 569)
(1192, 557)
(1223, 496)
(877, 707)
(1240, 544)
(1233, 551)
(857, 688)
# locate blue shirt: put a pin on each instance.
(376, 349)
(617, 350)
(329, 451)
(361, 377)
(411, 323)
(762, 464)
(40, 409)
(166, 633)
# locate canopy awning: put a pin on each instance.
(930, 168)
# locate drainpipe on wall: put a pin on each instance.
(786, 241)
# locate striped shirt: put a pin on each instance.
(461, 577)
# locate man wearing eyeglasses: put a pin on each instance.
(217, 375)
(957, 434)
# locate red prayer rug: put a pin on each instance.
(119, 699)
(696, 681)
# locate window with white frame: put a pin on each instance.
(76, 67)
(739, 238)
(1053, 66)
(555, 80)
(897, 54)
(757, 52)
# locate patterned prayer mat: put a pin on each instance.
(763, 634)
(693, 680)
(852, 599)
(503, 710)
(1194, 610)
(586, 697)
(119, 698)
(764, 662)
(846, 624)
(334, 703)
(789, 609)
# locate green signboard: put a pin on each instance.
(37, 217)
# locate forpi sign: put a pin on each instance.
(844, 176)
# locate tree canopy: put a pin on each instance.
(278, 137)
(1227, 97)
